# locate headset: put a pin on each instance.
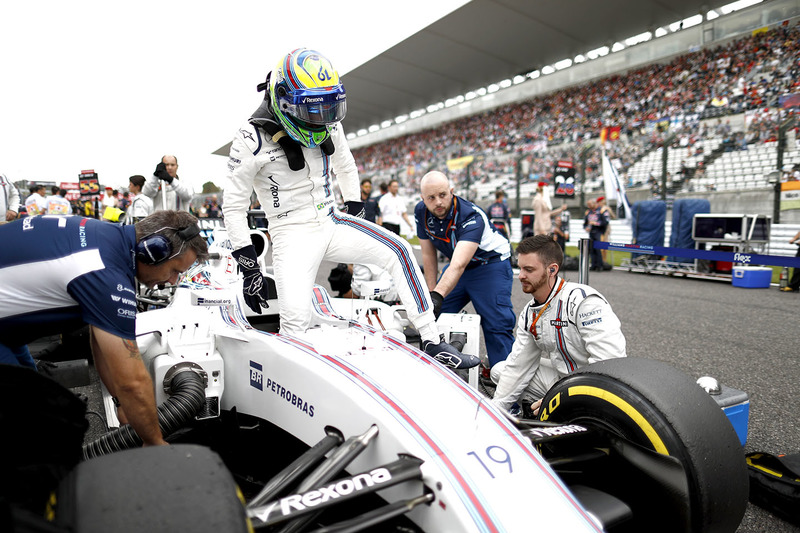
(552, 270)
(154, 249)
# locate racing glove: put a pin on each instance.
(162, 174)
(254, 288)
(355, 208)
(437, 303)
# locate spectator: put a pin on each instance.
(371, 210)
(110, 199)
(393, 209)
(125, 201)
(560, 234)
(141, 205)
(96, 286)
(543, 211)
(9, 199)
(595, 223)
(568, 324)
(57, 204)
(479, 270)
(36, 203)
(500, 215)
(794, 281)
(306, 228)
(165, 185)
(609, 215)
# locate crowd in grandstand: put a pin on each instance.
(745, 75)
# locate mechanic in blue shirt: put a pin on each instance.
(479, 270)
(60, 272)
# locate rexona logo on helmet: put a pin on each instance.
(307, 96)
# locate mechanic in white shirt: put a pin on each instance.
(9, 199)
(566, 325)
(393, 209)
(141, 205)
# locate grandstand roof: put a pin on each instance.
(486, 41)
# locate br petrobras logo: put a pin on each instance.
(256, 376)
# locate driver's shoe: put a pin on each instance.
(448, 355)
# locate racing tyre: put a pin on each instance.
(183, 487)
(644, 406)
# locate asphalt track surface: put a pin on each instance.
(743, 337)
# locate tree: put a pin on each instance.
(209, 187)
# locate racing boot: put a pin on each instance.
(448, 355)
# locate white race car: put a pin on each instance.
(348, 428)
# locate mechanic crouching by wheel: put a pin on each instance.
(568, 325)
(57, 273)
(288, 151)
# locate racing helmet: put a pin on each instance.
(307, 96)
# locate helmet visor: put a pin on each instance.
(314, 106)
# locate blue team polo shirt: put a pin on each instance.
(464, 222)
(59, 272)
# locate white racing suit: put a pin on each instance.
(576, 328)
(305, 226)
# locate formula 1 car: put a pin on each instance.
(348, 428)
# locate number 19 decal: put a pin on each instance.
(496, 455)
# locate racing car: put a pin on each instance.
(349, 428)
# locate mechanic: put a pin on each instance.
(564, 327)
(288, 150)
(479, 270)
(178, 194)
(57, 273)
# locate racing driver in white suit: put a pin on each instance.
(289, 151)
(564, 327)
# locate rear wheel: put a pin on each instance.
(675, 458)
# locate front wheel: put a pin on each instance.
(647, 409)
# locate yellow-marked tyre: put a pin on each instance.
(657, 407)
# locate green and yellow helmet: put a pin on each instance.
(307, 96)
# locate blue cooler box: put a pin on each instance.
(752, 277)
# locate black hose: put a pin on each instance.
(185, 403)
(458, 340)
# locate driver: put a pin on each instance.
(57, 273)
(289, 151)
(564, 327)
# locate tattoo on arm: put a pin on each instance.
(133, 349)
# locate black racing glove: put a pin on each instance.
(255, 289)
(162, 174)
(437, 303)
(355, 208)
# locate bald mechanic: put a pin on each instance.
(479, 270)
(60, 272)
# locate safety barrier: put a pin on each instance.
(741, 258)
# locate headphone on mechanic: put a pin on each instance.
(155, 249)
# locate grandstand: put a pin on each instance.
(718, 105)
